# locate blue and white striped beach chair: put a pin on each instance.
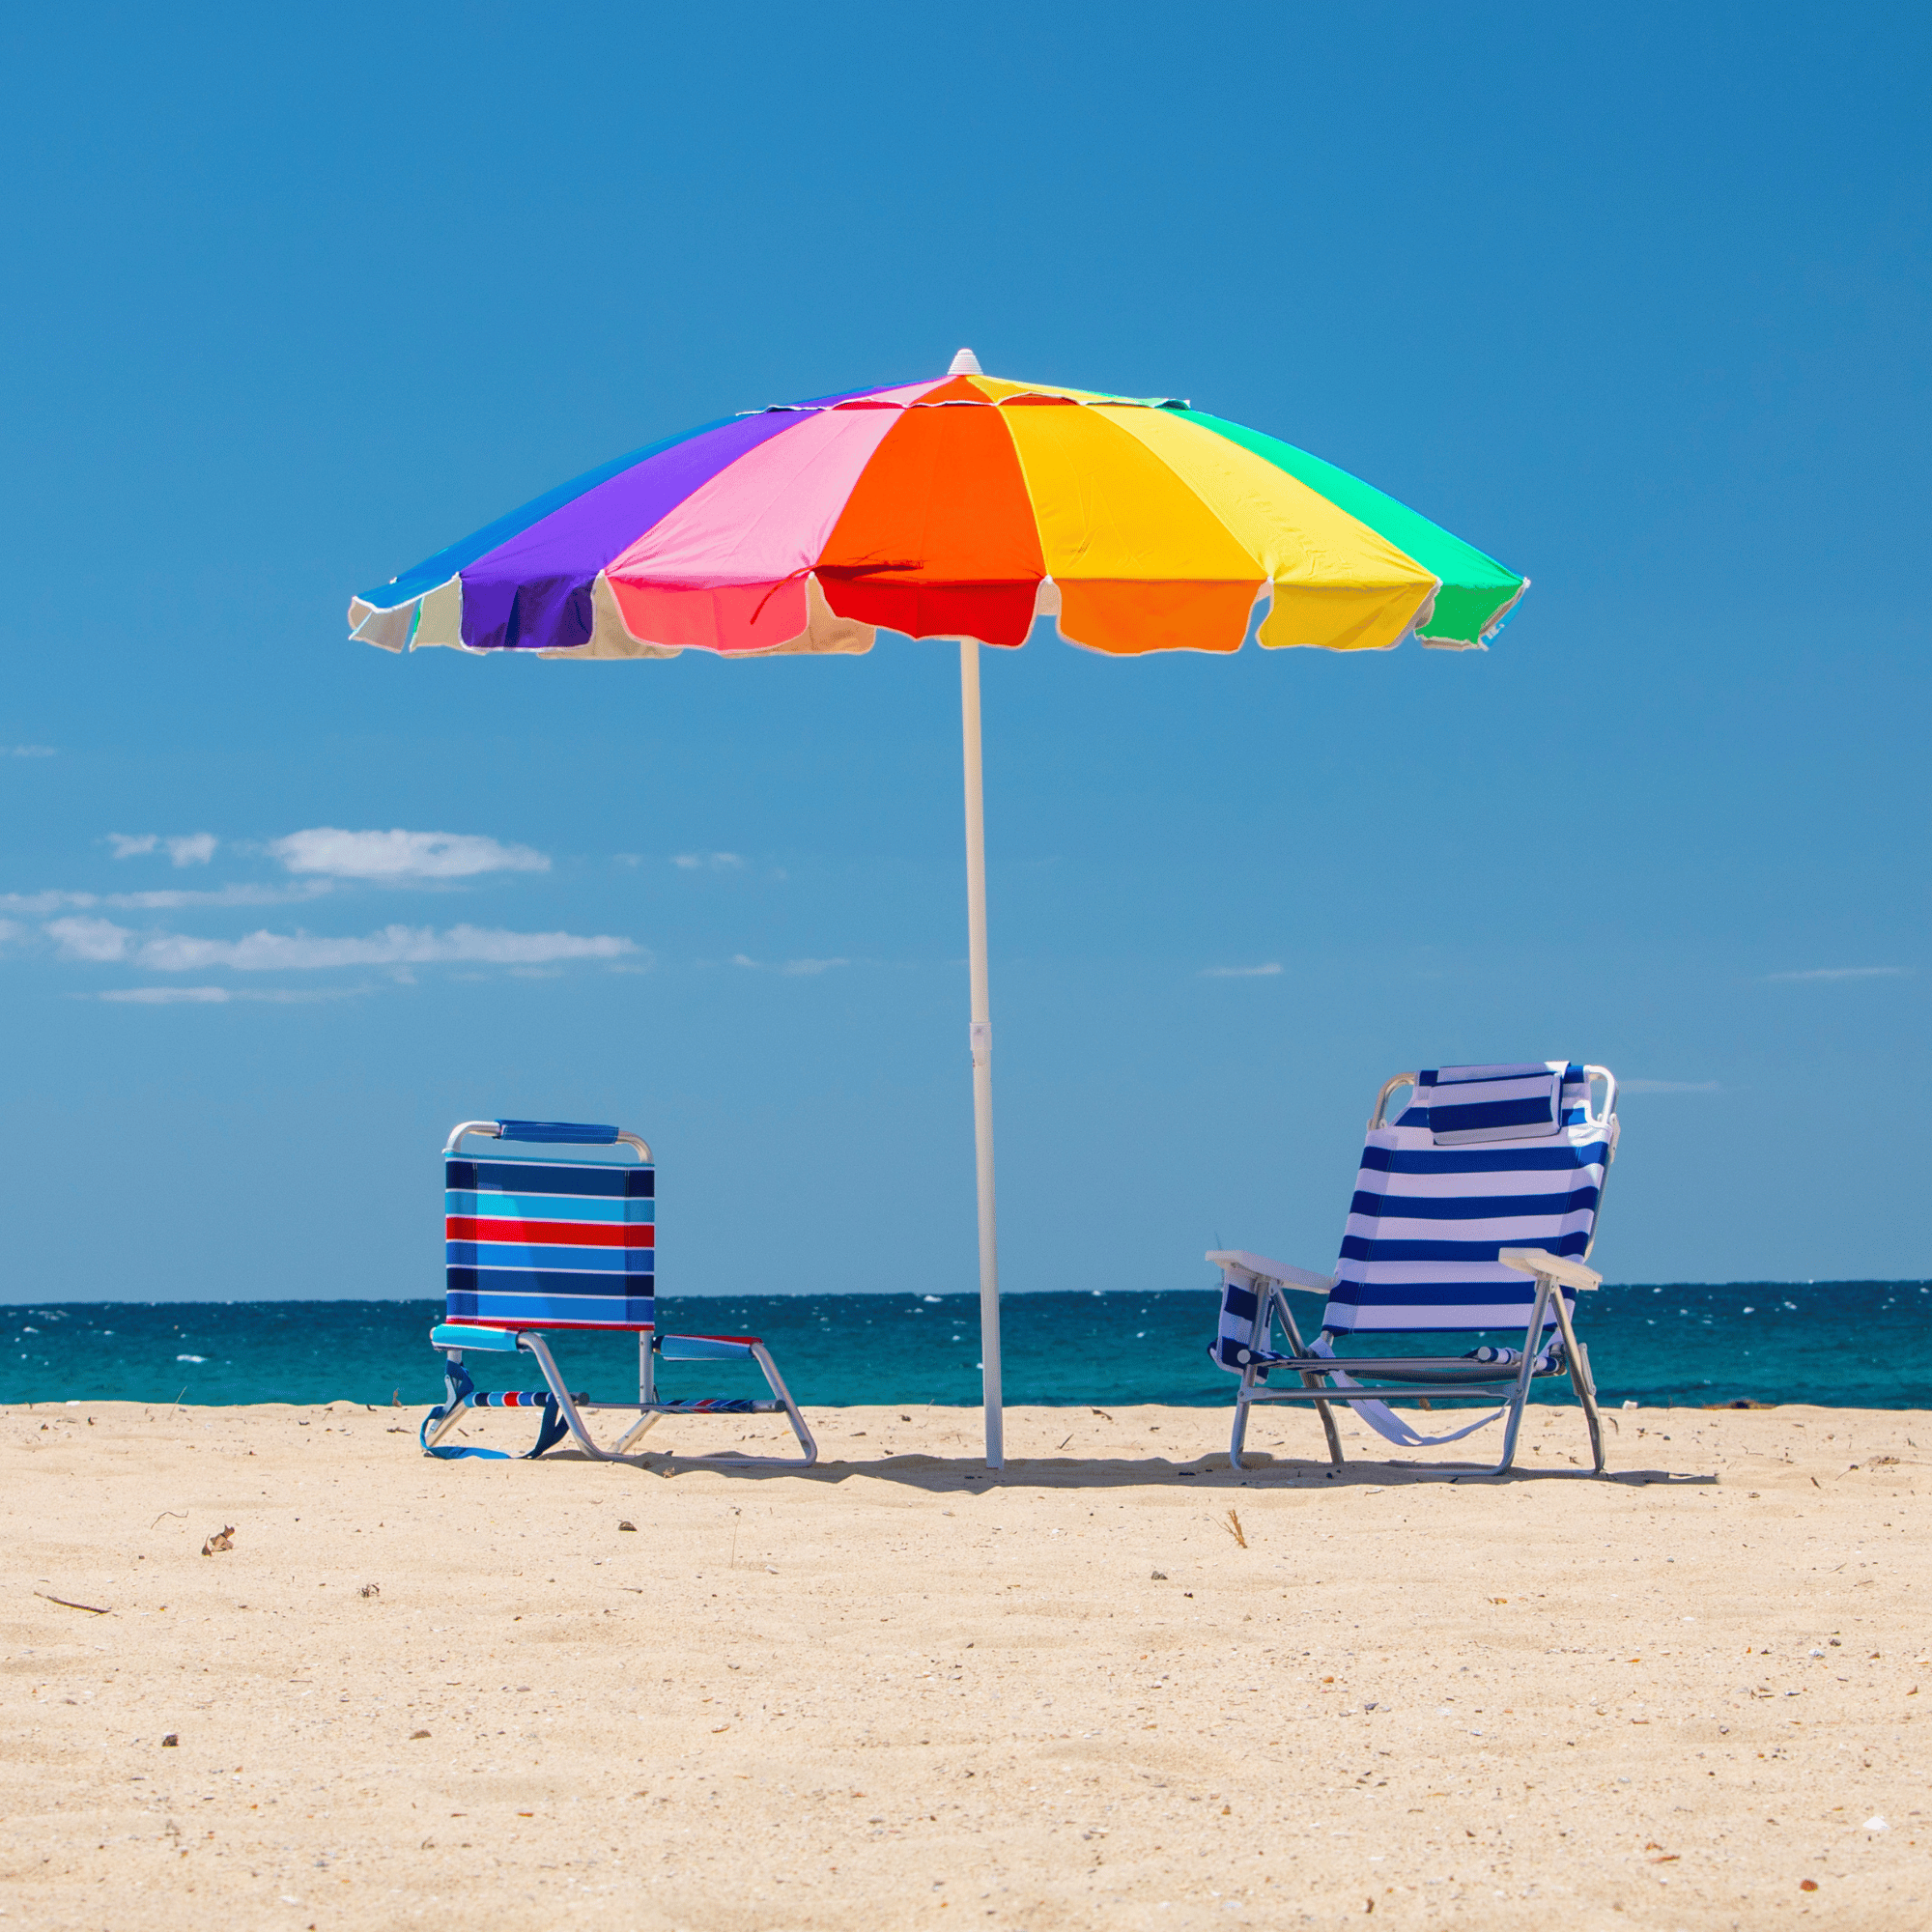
(1475, 1211)
(538, 1243)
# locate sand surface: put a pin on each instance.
(897, 1691)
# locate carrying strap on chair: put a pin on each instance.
(459, 1388)
(551, 1431)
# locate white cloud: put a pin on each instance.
(1669, 1087)
(220, 895)
(167, 899)
(1846, 972)
(794, 968)
(9, 929)
(30, 750)
(188, 848)
(1267, 972)
(93, 939)
(169, 996)
(195, 848)
(392, 946)
(398, 855)
(99, 940)
(218, 996)
(716, 861)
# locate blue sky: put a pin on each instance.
(1636, 302)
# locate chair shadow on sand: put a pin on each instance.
(953, 1476)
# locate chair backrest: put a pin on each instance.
(1482, 1158)
(546, 1244)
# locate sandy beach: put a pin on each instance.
(897, 1691)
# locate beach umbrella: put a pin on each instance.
(965, 507)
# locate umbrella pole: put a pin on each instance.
(982, 1037)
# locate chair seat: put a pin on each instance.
(718, 1404)
(1405, 1368)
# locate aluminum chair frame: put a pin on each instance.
(454, 1339)
(1447, 1378)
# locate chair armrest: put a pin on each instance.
(706, 1348)
(1290, 1277)
(453, 1335)
(1539, 1261)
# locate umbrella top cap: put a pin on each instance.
(965, 363)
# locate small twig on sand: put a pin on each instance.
(178, 1513)
(1234, 1528)
(1068, 1439)
(176, 1401)
(68, 1604)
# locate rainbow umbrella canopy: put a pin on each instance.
(967, 507)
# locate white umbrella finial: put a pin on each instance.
(965, 363)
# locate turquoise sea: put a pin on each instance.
(1855, 1344)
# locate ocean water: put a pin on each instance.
(1860, 1344)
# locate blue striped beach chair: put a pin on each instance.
(1474, 1212)
(538, 1243)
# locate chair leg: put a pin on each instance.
(456, 1398)
(1583, 1381)
(534, 1345)
(1326, 1411)
(435, 1433)
(777, 1384)
(648, 1390)
(1260, 1336)
(1510, 1429)
(1240, 1431)
(1532, 1342)
(638, 1428)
